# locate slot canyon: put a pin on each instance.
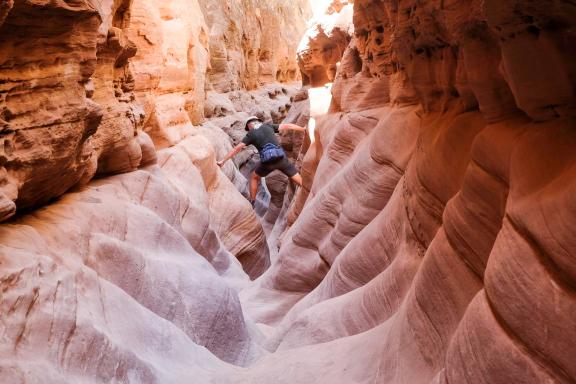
(433, 240)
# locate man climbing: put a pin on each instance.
(272, 156)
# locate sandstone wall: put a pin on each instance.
(436, 242)
(133, 277)
(323, 45)
(81, 78)
(253, 42)
(48, 54)
(432, 242)
(126, 281)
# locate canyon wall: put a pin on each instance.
(81, 79)
(432, 241)
(124, 246)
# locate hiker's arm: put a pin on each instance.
(291, 127)
(231, 154)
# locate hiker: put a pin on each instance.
(272, 156)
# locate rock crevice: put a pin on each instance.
(432, 241)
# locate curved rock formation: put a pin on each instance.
(80, 78)
(135, 243)
(323, 45)
(48, 57)
(432, 241)
(429, 250)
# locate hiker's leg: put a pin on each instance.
(254, 181)
(287, 168)
(297, 179)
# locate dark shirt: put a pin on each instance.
(262, 135)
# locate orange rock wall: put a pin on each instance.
(80, 79)
(436, 242)
(433, 241)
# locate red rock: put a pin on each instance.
(432, 241)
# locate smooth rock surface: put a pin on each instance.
(432, 242)
(425, 250)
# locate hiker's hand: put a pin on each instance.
(220, 163)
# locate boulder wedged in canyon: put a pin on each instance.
(432, 241)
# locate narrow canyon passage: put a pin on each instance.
(433, 240)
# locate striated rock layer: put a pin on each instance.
(432, 241)
(125, 281)
(134, 277)
(79, 79)
(435, 244)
